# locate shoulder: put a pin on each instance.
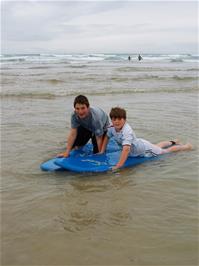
(127, 128)
(73, 115)
(97, 111)
(74, 119)
(110, 129)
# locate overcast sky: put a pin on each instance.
(99, 26)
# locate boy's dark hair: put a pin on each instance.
(117, 112)
(81, 99)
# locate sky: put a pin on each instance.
(99, 26)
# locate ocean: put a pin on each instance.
(145, 215)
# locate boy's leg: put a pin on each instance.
(176, 148)
(95, 146)
(94, 142)
(83, 136)
(167, 143)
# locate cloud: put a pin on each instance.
(82, 26)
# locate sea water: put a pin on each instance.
(145, 215)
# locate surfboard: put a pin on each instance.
(50, 166)
(53, 164)
(98, 162)
(82, 160)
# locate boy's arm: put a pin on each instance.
(104, 144)
(123, 157)
(70, 141)
(99, 140)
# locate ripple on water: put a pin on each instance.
(79, 220)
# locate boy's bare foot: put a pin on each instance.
(189, 146)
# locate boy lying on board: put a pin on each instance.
(124, 135)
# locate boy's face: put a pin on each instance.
(81, 110)
(118, 123)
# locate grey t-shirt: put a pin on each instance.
(97, 121)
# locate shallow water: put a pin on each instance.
(146, 215)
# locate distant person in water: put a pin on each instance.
(140, 57)
(86, 123)
(129, 58)
(132, 146)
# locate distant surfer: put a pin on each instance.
(129, 58)
(140, 57)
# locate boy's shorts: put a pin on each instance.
(151, 149)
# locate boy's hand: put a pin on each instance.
(64, 154)
(116, 167)
(101, 152)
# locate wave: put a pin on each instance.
(177, 60)
(114, 58)
(52, 81)
(78, 66)
(13, 60)
(105, 91)
(184, 78)
(127, 79)
(145, 77)
(135, 78)
(61, 78)
(79, 58)
(13, 55)
(34, 95)
(192, 69)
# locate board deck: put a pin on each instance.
(51, 166)
(98, 162)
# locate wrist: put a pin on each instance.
(119, 165)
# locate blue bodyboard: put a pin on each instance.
(53, 164)
(50, 166)
(98, 162)
(83, 160)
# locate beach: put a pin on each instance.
(145, 215)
